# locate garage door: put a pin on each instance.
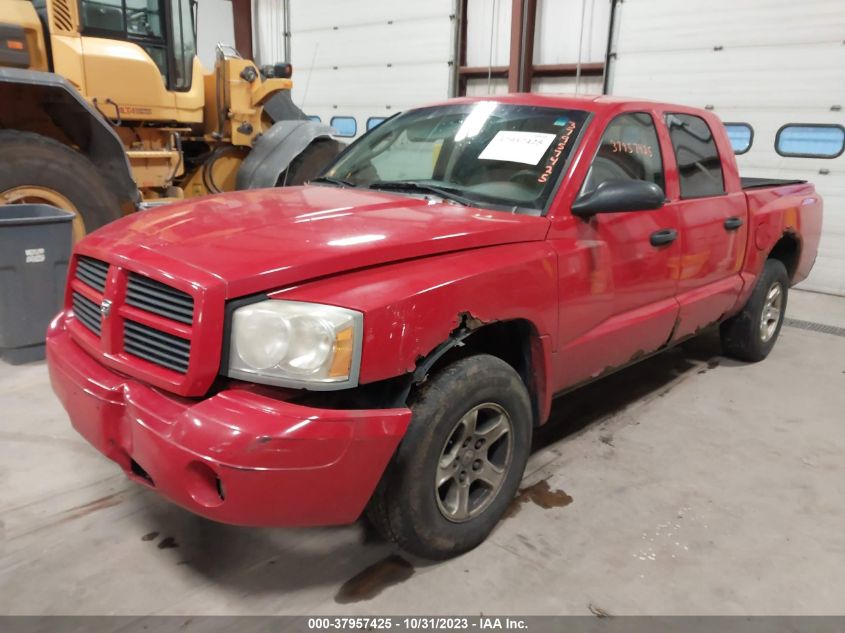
(356, 63)
(764, 63)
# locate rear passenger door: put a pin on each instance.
(712, 224)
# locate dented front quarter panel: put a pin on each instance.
(412, 307)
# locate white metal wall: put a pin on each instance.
(762, 62)
(369, 58)
(214, 24)
(566, 32)
(561, 37)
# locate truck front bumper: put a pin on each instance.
(235, 457)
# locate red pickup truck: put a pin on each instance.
(387, 337)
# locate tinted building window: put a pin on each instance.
(810, 140)
(629, 150)
(699, 166)
(345, 125)
(741, 136)
(374, 121)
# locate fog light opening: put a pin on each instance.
(204, 485)
(140, 472)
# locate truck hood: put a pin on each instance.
(254, 241)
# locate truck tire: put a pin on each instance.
(751, 334)
(311, 162)
(461, 461)
(38, 169)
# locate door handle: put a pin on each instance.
(663, 237)
(732, 224)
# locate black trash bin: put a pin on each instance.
(35, 247)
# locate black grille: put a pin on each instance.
(157, 347)
(92, 272)
(87, 312)
(152, 296)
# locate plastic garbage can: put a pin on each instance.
(35, 247)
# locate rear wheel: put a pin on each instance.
(37, 169)
(751, 334)
(460, 462)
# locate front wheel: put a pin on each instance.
(751, 334)
(461, 461)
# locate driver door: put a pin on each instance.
(618, 271)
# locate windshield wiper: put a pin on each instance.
(421, 187)
(331, 180)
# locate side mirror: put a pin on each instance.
(613, 196)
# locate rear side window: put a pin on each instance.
(699, 166)
(741, 136)
(345, 125)
(810, 140)
(629, 150)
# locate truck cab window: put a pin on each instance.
(699, 165)
(184, 43)
(629, 150)
(143, 22)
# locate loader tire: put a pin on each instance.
(38, 169)
(311, 162)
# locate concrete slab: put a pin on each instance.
(698, 485)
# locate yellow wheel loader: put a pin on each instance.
(104, 106)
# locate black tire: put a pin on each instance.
(405, 506)
(743, 336)
(28, 159)
(311, 162)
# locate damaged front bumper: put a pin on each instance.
(236, 457)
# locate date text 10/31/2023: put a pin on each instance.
(438, 623)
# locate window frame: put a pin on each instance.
(344, 116)
(654, 123)
(817, 125)
(681, 196)
(750, 140)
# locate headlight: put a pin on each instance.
(296, 344)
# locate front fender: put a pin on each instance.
(412, 307)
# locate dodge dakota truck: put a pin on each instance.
(384, 340)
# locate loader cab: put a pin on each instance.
(164, 29)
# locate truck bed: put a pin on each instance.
(758, 183)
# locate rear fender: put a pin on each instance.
(275, 150)
(790, 210)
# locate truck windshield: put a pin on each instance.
(488, 153)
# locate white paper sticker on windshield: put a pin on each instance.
(518, 147)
